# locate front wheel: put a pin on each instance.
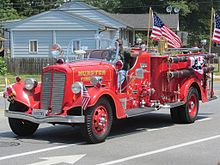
(98, 122)
(22, 127)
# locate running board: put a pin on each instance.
(139, 111)
(213, 98)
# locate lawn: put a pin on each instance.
(11, 79)
(216, 72)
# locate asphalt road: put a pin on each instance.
(149, 140)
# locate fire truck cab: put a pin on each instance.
(84, 91)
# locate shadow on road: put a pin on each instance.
(71, 135)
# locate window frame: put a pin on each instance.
(37, 45)
(74, 45)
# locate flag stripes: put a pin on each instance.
(160, 29)
(216, 34)
(85, 98)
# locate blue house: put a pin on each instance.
(33, 36)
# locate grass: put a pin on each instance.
(11, 79)
(216, 72)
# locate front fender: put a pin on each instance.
(95, 95)
(98, 93)
(28, 98)
(197, 84)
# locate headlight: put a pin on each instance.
(76, 87)
(30, 83)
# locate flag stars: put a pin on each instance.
(217, 21)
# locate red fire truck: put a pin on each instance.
(85, 91)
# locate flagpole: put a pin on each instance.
(149, 25)
(211, 29)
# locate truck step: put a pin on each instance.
(139, 111)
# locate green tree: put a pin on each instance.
(7, 12)
(194, 14)
(28, 8)
(3, 67)
(107, 5)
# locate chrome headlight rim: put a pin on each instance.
(30, 83)
(76, 87)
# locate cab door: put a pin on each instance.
(138, 81)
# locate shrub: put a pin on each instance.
(3, 67)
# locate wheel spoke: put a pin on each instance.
(100, 120)
(192, 106)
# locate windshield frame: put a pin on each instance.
(82, 53)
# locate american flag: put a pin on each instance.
(216, 34)
(85, 98)
(160, 29)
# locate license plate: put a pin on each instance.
(39, 113)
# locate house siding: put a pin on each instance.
(21, 43)
(72, 21)
(112, 35)
(87, 11)
(87, 38)
(55, 20)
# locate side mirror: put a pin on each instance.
(56, 50)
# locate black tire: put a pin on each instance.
(188, 112)
(91, 130)
(22, 127)
(175, 114)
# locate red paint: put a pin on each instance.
(136, 92)
(100, 120)
(192, 106)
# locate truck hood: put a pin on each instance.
(82, 71)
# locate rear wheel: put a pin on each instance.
(22, 127)
(188, 112)
(98, 122)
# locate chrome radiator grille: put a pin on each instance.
(53, 84)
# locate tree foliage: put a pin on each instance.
(6, 11)
(194, 14)
(3, 67)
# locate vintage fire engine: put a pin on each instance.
(86, 92)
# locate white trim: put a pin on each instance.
(54, 37)
(75, 44)
(12, 43)
(178, 25)
(97, 41)
(134, 37)
(51, 29)
(29, 50)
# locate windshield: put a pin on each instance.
(92, 48)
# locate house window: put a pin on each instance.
(75, 45)
(33, 46)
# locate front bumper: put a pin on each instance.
(47, 119)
